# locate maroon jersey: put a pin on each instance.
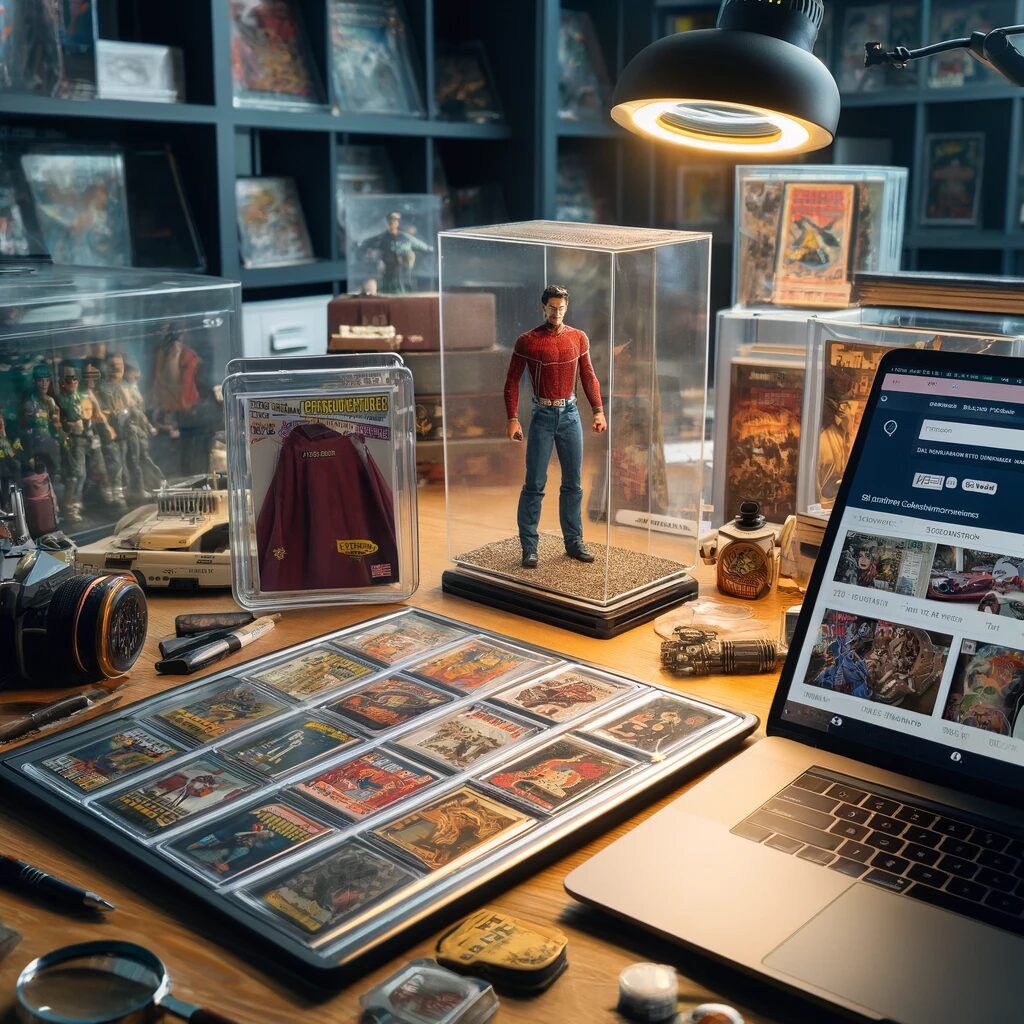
(553, 359)
(328, 519)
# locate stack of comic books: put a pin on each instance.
(975, 293)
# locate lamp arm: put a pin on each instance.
(993, 48)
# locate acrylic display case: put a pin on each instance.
(842, 357)
(392, 771)
(321, 480)
(391, 243)
(802, 232)
(640, 296)
(109, 388)
(759, 387)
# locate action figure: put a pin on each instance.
(77, 441)
(150, 477)
(10, 460)
(174, 390)
(41, 431)
(394, 253)
(103, 425)
(555, 354)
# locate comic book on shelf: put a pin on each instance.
(271, 62)
(954, 162)
(372, 66)
(271, 225)
(814, 246)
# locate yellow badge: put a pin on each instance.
(279, 553)
(356, 548)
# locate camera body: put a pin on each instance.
(59, 627)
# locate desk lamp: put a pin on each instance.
(749, 87)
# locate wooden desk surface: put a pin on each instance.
(206, 965)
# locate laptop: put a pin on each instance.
(869, 853)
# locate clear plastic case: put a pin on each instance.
(307, 856)
(842, 357)
(633, 346)
(109, 394)
(390, 243)
(802, 231)
(759, 383)
(322, 481)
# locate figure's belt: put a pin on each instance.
(557, 403)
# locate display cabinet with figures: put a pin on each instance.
(803, 231)
(109, 388)
(842, 357)
(597, 365)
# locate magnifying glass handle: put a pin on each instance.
(193, 1014)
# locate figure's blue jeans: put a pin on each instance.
(560, 428)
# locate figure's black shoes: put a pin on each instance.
(530, 559)
(581, 554)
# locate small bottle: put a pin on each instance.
(747, 555)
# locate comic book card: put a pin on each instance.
(453, 826)
(656, 725)
(291, 745)
(117, 755)
(230, 705)
(226, 847)
(334, 889)
(185, 791)
(387, 702)
(564, 696)
(403, 637)
(473, 664)
(314, 672)
(551, 776)
(462, 738)
(366, 784)
(813, 261)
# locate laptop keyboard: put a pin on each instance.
(925, 852)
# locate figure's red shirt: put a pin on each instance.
(553, 359)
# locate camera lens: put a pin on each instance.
(96, 625)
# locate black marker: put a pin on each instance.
(17, 872)
(199, 657)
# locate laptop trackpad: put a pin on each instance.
(905, 960)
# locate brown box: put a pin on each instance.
(469, 318)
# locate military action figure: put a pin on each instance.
(41, 431)
(555, 354)
(394, 253)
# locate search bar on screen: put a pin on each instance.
(1006, 439)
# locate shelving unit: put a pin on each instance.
(215, 141)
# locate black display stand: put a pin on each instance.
(544, 607)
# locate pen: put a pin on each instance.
(197, 658)
(17, 872)
(52, 712)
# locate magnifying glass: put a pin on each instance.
(102, 983)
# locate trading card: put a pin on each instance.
(558, 772)
(335, 888)
(401, 637)
(387, 702)
(232, 705)
(657, 724)
(564, 696)
(186, 791)
(228, 846)
(367, 783)
(453, 826)
(122, 753)
(291, 744)
(460, 739)
(313, 673)
(473, 664)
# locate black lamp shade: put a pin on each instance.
(746, 70)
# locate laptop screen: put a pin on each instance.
(911, 642)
